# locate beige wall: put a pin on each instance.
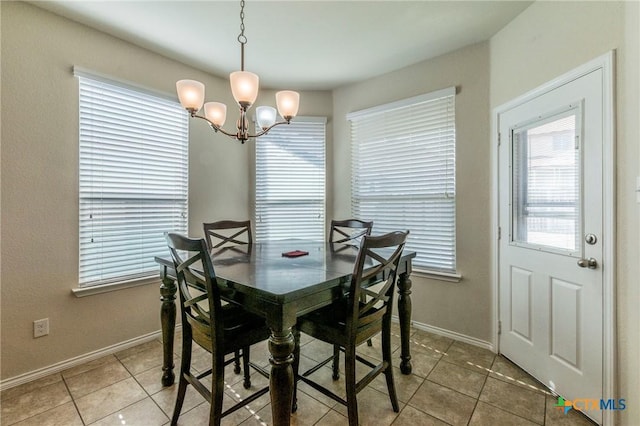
(545, 41)
(39, 176)
(463, 307)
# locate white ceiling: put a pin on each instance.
(300, 45)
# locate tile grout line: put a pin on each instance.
(73, 400)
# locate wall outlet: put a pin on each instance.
(41, 327)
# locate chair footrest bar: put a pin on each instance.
(365, 362)
(259, 369)
(323, 390)
(372, 375)
(318, 366)
(246, 401)
(204, 374)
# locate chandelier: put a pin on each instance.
(244, 87)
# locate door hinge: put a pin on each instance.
(499, 327)
(499, 138)
(499, 232)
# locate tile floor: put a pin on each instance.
(452, 383)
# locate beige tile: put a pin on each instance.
(469, 356)
(318, 350)
(457, 378)
(406, 384)
(486, 415)
(62, 415)
(143, 413)
(421, 362)
(514, 399)
(309, 412)
(556, 417)
(151, 380)
(239, 393)
(375, 351)
(505, 370)
(166, 399)
(34, 402)
(137, 361)
(374, 408)
(430, 343)
(97, 378)
(443, 403)
(19, 390)
(143, 347)
(333, 418)
(82, 368)
(410, 416)
(111, 399)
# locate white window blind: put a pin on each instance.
(290, 181)
(403, 174)
(133, 179)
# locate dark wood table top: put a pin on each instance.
(261, 267)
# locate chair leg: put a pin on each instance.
(217, 391)
(236, 369)
(245, 364)
(350, 384)
(336, 362)
(185, 367)
(296, 368)
(388, 372)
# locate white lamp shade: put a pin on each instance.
(244, 86)
(215, 112)
(288, 102)
(265, 116)
(191, 94)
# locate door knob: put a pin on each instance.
(590, 263)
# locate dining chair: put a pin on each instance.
(217, 328)
(349, 322)
(227, 233)
(349, 231)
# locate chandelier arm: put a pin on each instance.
(214, 126)
(264, 131)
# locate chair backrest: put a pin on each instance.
(377, 263)
(200, 303)
(349, 231)
(227, 233)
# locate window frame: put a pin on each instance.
(286, 130)
(168, 204)
(387, 136)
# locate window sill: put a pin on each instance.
(436, 275)
(107, 288)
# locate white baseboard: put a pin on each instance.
(64, 365)
(451, 334)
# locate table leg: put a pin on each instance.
(404, 312)
(281, 346)
(168, 320)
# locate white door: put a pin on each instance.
(550, 177)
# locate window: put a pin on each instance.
(290, 181)
(133, 179)
(403, 174)
(546, 168)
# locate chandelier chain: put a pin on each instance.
(241, 37)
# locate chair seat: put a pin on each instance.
(240, 328)
(329, 324)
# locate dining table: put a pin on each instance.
(281, 280)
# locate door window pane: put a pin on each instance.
(546, 183)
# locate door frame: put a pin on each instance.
(605, 62)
